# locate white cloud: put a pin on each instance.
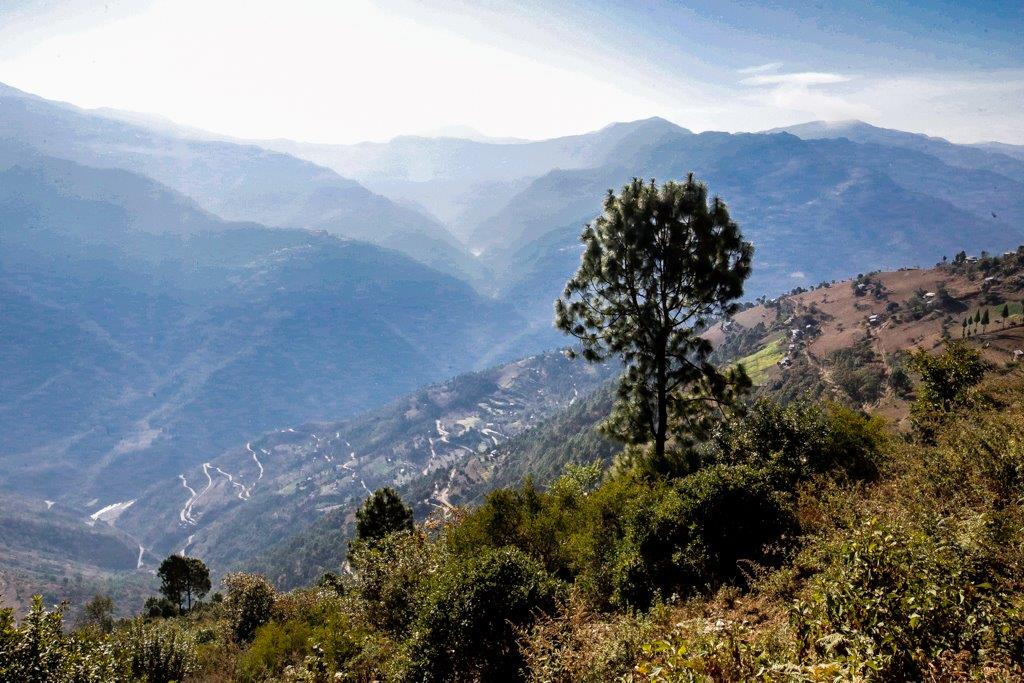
(797, 275)
(803, 78)
(761, 68)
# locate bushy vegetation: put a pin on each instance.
(775, 540)
(40, 650)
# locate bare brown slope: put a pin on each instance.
(871, 320)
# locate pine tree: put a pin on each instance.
(182, 578)
(659, 263)
(984, 320)
(963, 331)
(1005, 313)
(382, 514)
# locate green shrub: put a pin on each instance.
(537, 522)
(468, 625)
(646, 541)
(894, 600)
(802, 439)
(307, 624)
(158, 654)
(39, 651)
(390, 579)
(250, 599)
(947, 381)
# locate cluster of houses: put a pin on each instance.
(797, 339)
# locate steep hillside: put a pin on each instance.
(52, 550)
(254, 497)
(844, 342)
(235, 181)
(142, 335)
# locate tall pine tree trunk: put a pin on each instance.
(661, 433)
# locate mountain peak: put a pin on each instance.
(648, 125)
(823, 128)
(11, 91)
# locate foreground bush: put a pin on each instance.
(898, 603)
(155, 653)
(468, 626)
(40, 651)
(684, 537)
(250, 599)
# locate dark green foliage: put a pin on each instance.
(800, 440)
(543, 524)
(685, 537)
(329, 581)
(899, 379)
(390, 579)
(382, 514)
(657, 265)
(858, 372)
(305, 624)
(156, 608)
(467, 628)
(250, 599)
(946, 381)
(155, 654)
(99, 613)
(182, 578)
(38, 651)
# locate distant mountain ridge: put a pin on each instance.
(984, 156)
(234, 181)
(813, 197)
(451, 177)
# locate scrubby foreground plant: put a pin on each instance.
(41, 650)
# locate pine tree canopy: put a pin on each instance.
(659, 264)
(382, 514)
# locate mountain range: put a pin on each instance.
(170, 297)
(815, 199)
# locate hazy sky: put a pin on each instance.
(351, 70)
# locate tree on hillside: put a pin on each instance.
(99, 613)
(1005, 313)
(658, 265)
(984, 321)
(182, 579)
(382, 514)
(249, 603)
(946, 382)
(963, 332)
